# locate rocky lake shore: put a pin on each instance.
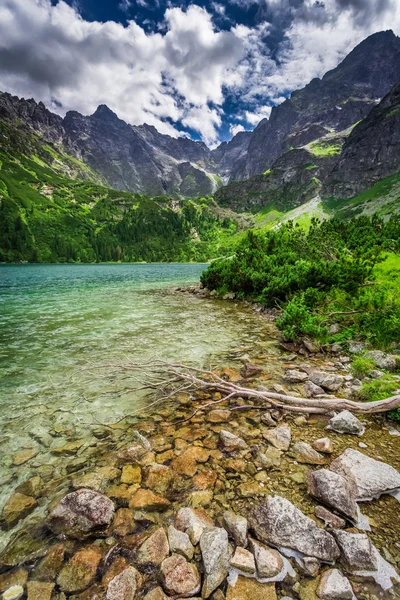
(236, 503)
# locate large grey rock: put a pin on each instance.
(236, 525)
(328, 381)
(311, 389)
(356, 551)
(371, 477)
(334, 586)
(382, 360)
(80, 513)
(179, 542)
(279, 523)
(279, 437)
(346, 422)
(294, 376)
(333, 490)
(216, 554)
(269, 562)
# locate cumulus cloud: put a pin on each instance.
(51, 52)
(234, 129)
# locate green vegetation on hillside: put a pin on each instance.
(46, 216)
(342, 272)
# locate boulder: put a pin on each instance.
(334, 586)
(236, 526)
(357, 553)
(324, 445)
(328, 381)
(193, 522)
(382, 360)
(279, 437)
(216, 555)
(154, 550)
(346, 422)
(80, 571)
(124, 585)
(371, 477)
(243, 560)
(148, 500)
(280, 523)
(179, 577)
(294, 376)
(231, 442)
(269, 563)
(179, 543)
(246, 588)
(81, 513)
(304, 453)
(335, 491)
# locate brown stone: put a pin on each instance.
(148, 500)
(123, 523)
(324, 445)
(218, 416)
(10, 578)
(179, 577)
(31, 487)
(185, 464)
(17, 507)
(80, 570)
(247, 588)
(204, 481)
(39, 590)
(158, 478)
(201, 498)
(164, 457)
(131, 474)
(68, 449)
(22, 456)
(156, 594)
(50, 565)
(122, 494)
(132, 453)
(200, 455)
(117, 566)
(251, 488)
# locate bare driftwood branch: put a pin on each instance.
(171, 379)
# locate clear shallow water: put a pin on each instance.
(59, 322)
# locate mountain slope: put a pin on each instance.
(341, 98)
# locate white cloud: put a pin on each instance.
(125, 5)
(263, 112)
(234, 129)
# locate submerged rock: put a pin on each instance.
(280, 523)
(371, 477)
(154, 550)
(40, 590)
(80, 513)
(356, 551)
(158, 478)
(279, 437)
(13, 593)
(80, 570)
(231, 442)
(216, 554)
(334, 586)
(246, 588)
(17, 507)
(236, 526)
(124, 585)
(269, 563)
(346, 422)
(179, 577)
(148, 500)
(304, 453)
(335, 491)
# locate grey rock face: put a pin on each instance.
(216, 554)
(236, 526)
(80, 513)
(346, 422)
(371, 477)
(279, 523)
(328, 381)
(381, 359)
(269, 562)
(335, 491)
(356, 551)
(334, 586)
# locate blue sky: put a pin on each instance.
(202, 68)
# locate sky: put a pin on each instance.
(203, 68)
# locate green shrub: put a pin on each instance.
(378, 389)
(297, 321)
(361, 367)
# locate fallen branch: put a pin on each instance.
(171, 379)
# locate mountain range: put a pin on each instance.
(326, 144)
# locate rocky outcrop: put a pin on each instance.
(371, 477)
(280, 523)
(335, 491)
